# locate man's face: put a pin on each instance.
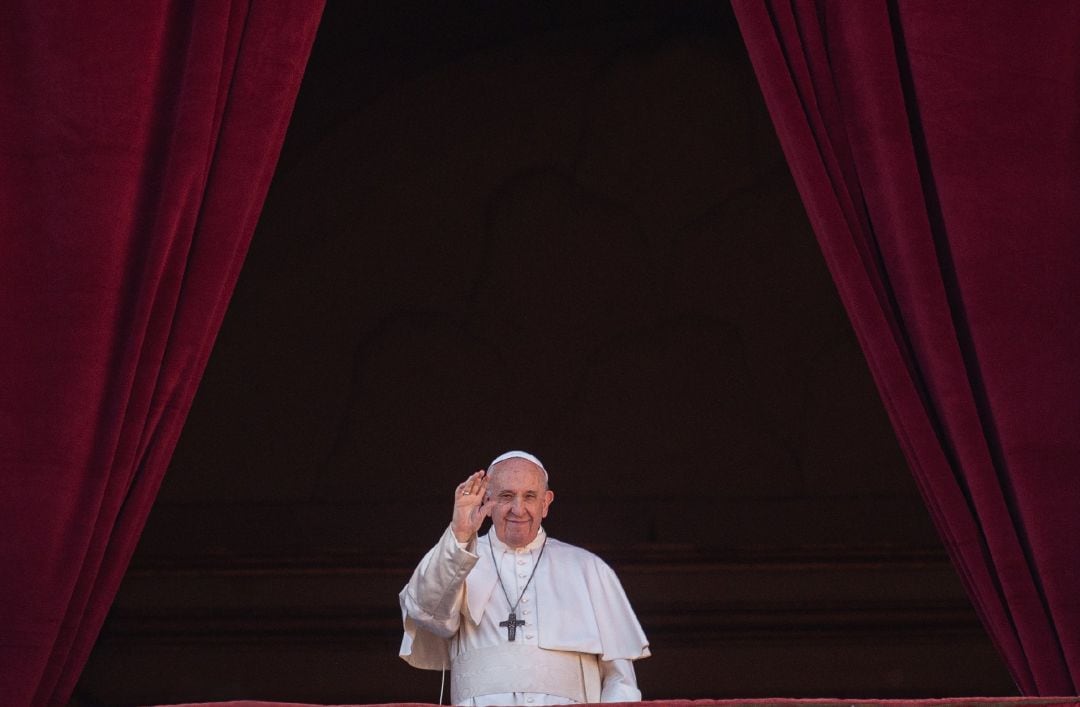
(520, 501)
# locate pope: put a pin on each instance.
(518, 617)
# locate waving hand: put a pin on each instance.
(470, 506)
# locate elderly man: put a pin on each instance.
(518, 617)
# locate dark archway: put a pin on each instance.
(560, 228)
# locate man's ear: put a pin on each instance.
(549, 496)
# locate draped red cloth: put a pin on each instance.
(138, 141)
(936, 146)
(770, 702)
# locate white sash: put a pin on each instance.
(518, 667)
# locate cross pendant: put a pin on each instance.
(511, 624)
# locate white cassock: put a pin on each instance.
(578, 641)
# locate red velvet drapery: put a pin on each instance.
(937, 150)
(137, 141)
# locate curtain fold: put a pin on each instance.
(936, 147)
(138, 143)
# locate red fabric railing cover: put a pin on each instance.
(138, 141)
(937, 151)
(779, 702)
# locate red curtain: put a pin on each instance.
(138, 142)
(936, 146)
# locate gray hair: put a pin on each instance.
(518, 454)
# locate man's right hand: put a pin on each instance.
(470, 507)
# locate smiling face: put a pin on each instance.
(521, 497)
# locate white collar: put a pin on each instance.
(500, 546)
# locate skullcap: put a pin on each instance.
(518, 454)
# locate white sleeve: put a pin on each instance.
(431, 602)
(619, 684)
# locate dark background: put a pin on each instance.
(568, 228)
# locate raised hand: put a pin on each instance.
(470, 506)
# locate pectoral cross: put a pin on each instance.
(511, 624)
